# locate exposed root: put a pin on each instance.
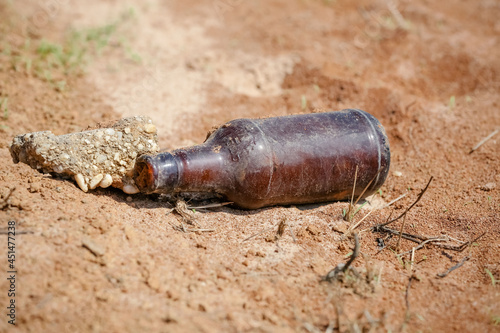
(339, 271)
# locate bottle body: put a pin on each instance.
(281, 160)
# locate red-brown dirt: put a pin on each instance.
(430, 72)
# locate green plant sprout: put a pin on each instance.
(52, 62)
(451, 103)
(4, 107)
(349, 218)
(303, 102)
(493, 280)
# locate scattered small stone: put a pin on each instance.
(131, 234)
(340, 227)
(313, 230)
(96, 249)
(488, 187)
(397, 173)
(35, 187)
(129, 199)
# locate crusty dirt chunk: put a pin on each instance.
(94, 158)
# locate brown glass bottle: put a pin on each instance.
(283, 160)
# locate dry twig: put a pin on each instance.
(422, 240)
(407, 209)
(407, 301)
(421, 245)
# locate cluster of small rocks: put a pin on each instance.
(96, 158)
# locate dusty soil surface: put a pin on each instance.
(107, 262)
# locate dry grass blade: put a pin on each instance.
(367, 186)
(347, 216)
(351, 228)
(395, 200)
(371, 211)
(483, 141)
(257, 234)
(214, 205)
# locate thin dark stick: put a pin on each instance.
(407, 209)
(460, 264)
(405, 235)
(407, 294)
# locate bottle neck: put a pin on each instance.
(154, 172)
(195, 169)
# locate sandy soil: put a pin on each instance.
(108, 262)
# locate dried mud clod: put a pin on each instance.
(96, 158)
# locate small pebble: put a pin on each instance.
(489, 187)
(81, 182)
(106, 181)
(397, 173)
(130, 189)
(150, 128)
(109, 131)
(96, 180)
(97, 249)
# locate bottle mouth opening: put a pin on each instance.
(144, 175)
